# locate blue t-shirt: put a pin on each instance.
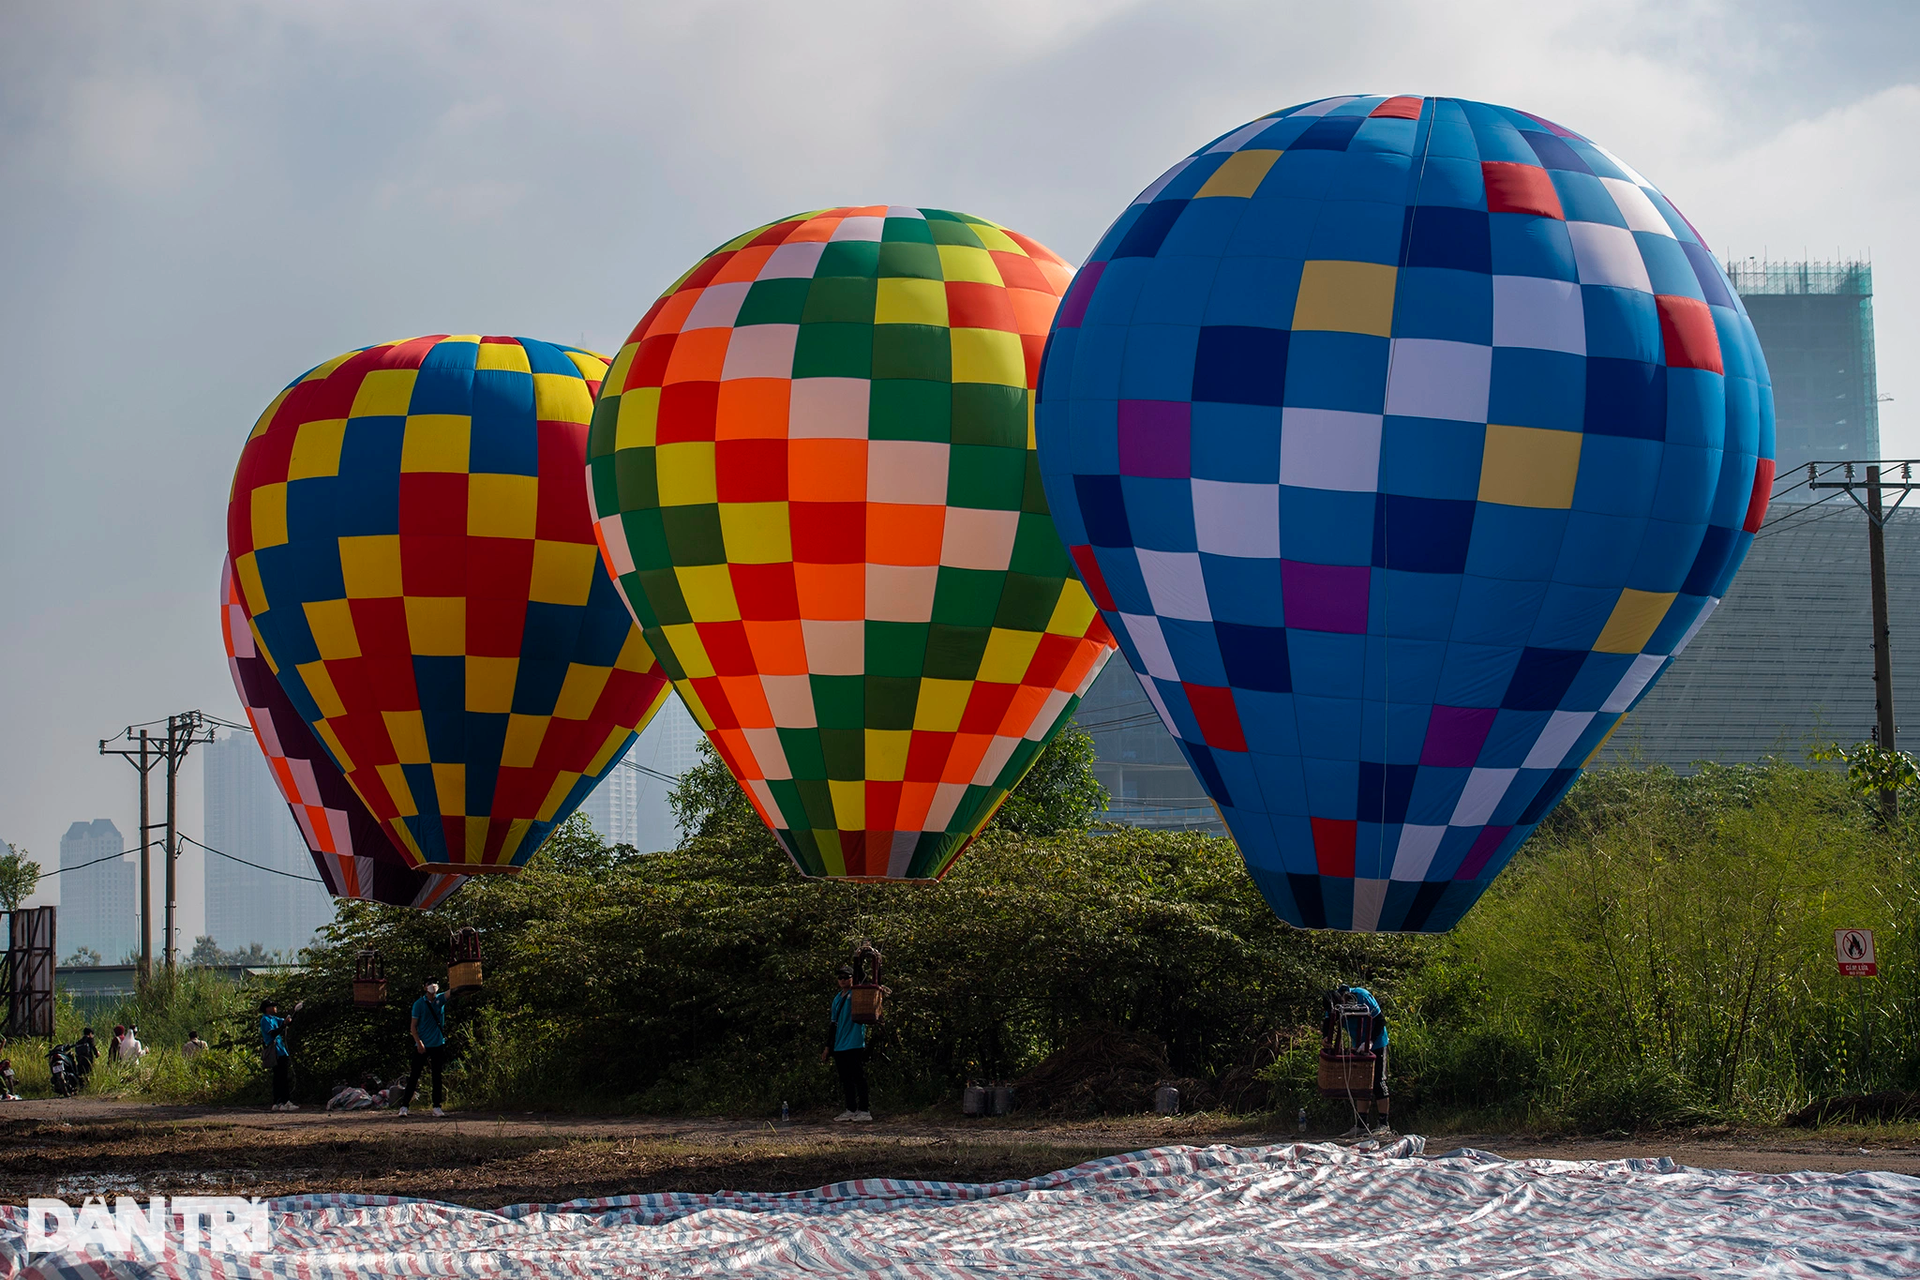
(847, 1034)
(272, 1029)
(1356, 1028)
(430, 1013)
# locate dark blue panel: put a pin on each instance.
(1713, 286)
(1103, 510)
(1709, 561)
(1232, 442)
(1307, 900)
(1255, 657)
(1531, 388)
(1549, 795)
(1384, 791)
(1329, 133)
(1420, 911)
(536, 689)
(1438, 236)
(1422, 535)
(1626, 398)
(1236, 364)
(1554, 153)
(1525, 244)
(441, 683)
(1244, 590)
(549, 631)
(1345, 371)
(1144, 238)
(1542, 678)
(1201, 758)
(1456, 306)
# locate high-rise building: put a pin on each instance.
(247, 818)
(1148, 781)
(630, 804)
(1786, 661)
(1815, 321)
(97, 901)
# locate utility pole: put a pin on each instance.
(143, 761)
(184, 732)
(1885, 730)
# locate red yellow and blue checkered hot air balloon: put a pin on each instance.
(1403, 442)
(410, 534)
(350, 848)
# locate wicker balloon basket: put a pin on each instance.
(369, 980)
(1346, 1074)
(463, 965)
(867, 994)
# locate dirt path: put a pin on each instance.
(94, 1146)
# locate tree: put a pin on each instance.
(575, 848)
(84, 958)
(1059, 793)
(708, 804)
(19, 877)
(205, 953)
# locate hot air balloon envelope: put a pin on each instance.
(813, 475)
(410, 533)
(1402, 443)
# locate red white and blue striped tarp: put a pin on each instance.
(1173, 1213)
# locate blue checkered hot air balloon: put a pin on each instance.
(1402, 443)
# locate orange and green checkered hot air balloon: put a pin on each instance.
(813, 475)
(410, 533)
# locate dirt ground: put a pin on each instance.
(74, 1148)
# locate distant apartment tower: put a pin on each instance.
(1148, 781)
(629, 806)
(1815, 321)
(1786, 661)
(98, 901)
(247, 818)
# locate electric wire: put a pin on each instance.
(243, 862)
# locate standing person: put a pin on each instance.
(194, 1046)
(273, 1049)
(847, 1046)
(428, 1028)
(1369, 1030)
(84, 1054)
(117, 1047)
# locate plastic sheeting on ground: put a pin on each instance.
(1298, 1211)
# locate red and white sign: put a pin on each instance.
(1853, 948)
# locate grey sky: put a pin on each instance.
(199, 200)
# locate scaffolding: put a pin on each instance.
(1815, 321)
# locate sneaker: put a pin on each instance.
(1355, 1132)
(291, 1106)
(845, 1115)
(438, 1112)
(403, 1111)
(863, 1115)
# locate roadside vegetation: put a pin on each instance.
(1661, 953)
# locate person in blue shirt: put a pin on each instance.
(1369, 1030)
(428, 1029)
(847, 1046)
(278, 1058)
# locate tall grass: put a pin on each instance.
(1663, 952)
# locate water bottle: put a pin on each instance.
(783, 1113)
(1302, 1120)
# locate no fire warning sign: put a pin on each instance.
(1853, 948)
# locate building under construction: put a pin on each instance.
(1815, 321)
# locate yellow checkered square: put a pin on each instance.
(436, 442)
(756, 532)
(563, 572)
(580, 691)
(370, 565)
(708, 591)
(316, 449)
(909, 301)
(437, 625)
(384, 393)
(1529, 467)
(407, 731)
(267, 511)
(1635, 616)
(639, 414)
(942, 704)
(964, 262)
(503, 355)
(502, 506)
(490, 684)
(1346, 297)
(331, 622)
(684, 473)
(1240, 175)
(1007, 655)
(988, 355)
(559, 397)
(522, 746)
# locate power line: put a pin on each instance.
(78, 866)
(243, 862)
